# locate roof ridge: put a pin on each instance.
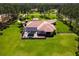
(41, 24)
(52, 26)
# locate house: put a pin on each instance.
(38, 29)
(35, 9)
(4, 18)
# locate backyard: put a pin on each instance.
(62, 44)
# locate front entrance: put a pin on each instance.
(31, 34)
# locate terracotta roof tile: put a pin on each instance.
(34, 23)
(41, 25)
(47, 27)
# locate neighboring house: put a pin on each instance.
(38, 29)
(4, 18)
(34, 9)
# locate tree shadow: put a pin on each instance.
(77, 52)
(1, 33)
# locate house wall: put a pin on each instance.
(50, 34)
(47, 34)
(41, 33)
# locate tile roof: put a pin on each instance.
(34, 23)
(41, 25)
(47, 27)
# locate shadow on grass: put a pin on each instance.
(33, 38)
(1, 33)
(77, 53)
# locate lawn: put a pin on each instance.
(12, 44)
(62, 27)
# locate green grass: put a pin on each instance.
(62, 27)
(12, 44)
